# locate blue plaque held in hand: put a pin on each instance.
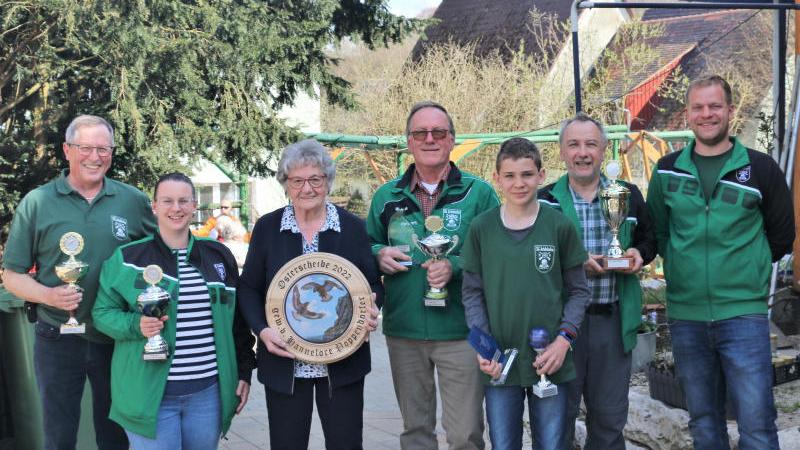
(484, 344)
(487, 347)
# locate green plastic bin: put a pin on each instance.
(18, 381)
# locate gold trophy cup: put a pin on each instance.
(437, 246)
(70, 272)
(614, 204)
(154, 302)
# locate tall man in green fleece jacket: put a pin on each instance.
(722, 214)
(421, 338)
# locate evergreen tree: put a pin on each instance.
(174, 77)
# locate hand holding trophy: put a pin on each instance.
(437, 246)
(154, 302)
(539, 339)
(70, 272)
(614, 204)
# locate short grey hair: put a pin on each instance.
(428, 104)
(86, 120)
(308, 152)
(229, 229)
(581, 117)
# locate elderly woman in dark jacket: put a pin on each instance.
(308, 224)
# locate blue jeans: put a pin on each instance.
(62, 365)
(728, 357)
(504, 412)
(190, 421)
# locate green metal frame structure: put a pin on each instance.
(616, 135)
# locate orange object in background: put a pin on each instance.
(205, 230)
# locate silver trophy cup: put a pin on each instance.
(436, 246)
(154, 302)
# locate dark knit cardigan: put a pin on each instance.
(269, 250)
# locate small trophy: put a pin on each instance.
(154, 302)
(539, 339)
(400, 232)
(437, 246)
(70, 272)
(614, 203)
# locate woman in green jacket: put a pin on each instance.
(186, 400)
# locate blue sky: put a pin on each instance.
(410, 8)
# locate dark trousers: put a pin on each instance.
(62, 364)
(340, 412)
(602, 375)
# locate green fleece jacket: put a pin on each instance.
(137, 386)
(718, 252)
(636, 231)
(405, 315)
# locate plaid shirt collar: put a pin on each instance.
(577, 198)
(416, 180)
(428, 200)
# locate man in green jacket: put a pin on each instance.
(424, 338)
(607, 335)
(722, 214)
(107, 214)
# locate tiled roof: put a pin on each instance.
(729, 37)
(663, 13)
(716, 34)
(497, 24)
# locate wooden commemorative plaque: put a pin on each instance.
(319, 303)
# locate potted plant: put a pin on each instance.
(645, 349)
(652, 302)
(663, 382)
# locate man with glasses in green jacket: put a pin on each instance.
(424, 338)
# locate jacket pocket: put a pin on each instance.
(47, 331)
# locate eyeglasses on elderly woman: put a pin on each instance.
(298, 183)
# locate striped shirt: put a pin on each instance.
(195, 354)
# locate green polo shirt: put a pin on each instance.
(523, 283)
(118, 214)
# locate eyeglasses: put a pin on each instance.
(421, 135)
(314, 182)
(86, 150)
(224, 207)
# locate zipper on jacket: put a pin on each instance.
(708, 288)
(330, 388)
